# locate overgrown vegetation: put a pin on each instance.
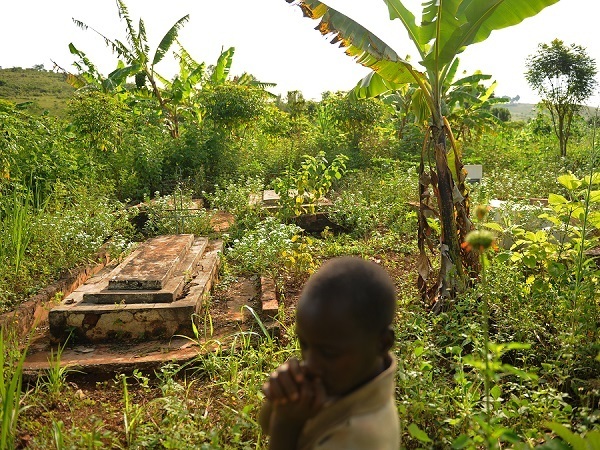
(513, 362)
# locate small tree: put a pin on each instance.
(564, 78)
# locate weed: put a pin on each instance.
(11, 369)
(53, 382)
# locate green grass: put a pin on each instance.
(46, 90)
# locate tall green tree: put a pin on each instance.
(446, 28)
(563, 76)
(139, 62)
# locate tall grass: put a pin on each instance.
(17, 227)
(11, 370)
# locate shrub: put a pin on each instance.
(261, 250)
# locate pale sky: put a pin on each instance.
(273, 41)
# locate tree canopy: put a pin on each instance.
(564, 77)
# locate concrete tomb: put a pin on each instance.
(154, 293)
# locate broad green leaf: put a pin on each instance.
(574, 440)
(594, 219)
(530, 261)
(363, 45)
(503, 257)
(516, 346)
(489, 91)
(373, 85)
(119, 76)
(496, 392)
(221, 70)
(556, 199)
(569, 181)
(556, 269)
(439, 23)
(594, 196)
(595, 179)
(417, 433)
(472, 79)
(593, 440)
(451, 73)
(168, 39)
(494, 226)
(398, 11)
(460, 442)
(476, 20)
(502, 14)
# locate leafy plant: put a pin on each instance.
(299, 259)
(17, 227)
(569, 440)
(300, 191)
(53, 382)
(132, 413)
(260, 250)
(560, 248)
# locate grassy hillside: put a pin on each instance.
(526, 111)
(48, 91)
(520, 111)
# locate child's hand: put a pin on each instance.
(293, 398)
(284, 385)
(311, 398)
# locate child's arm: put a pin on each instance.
(291, 400)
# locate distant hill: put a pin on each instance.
(520, 111)
(526, 111)
(46, 90)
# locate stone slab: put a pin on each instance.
(81, 321)
(150, 266)
(101, 292)
(108, 358)
(270, 197)
(268, 297)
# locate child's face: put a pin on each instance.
(335, 349)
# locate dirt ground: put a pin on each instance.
(100, 394)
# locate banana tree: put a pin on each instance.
(468, 104)
(137, 59)
(186, 92)
(446, 28)
(89, 77)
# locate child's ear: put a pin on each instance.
(387, 339)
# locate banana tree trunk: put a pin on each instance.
(451, 276)
(456, 264)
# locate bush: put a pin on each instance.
(261, 250)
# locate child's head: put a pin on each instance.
(343, 323)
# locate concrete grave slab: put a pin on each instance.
(87, 321)
(179, 270)
(150, 266)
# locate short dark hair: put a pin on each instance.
(363, 288)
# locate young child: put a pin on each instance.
(341, 394)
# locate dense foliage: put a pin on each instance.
(66, 185)
(513, 362)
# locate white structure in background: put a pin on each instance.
(474, 172)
